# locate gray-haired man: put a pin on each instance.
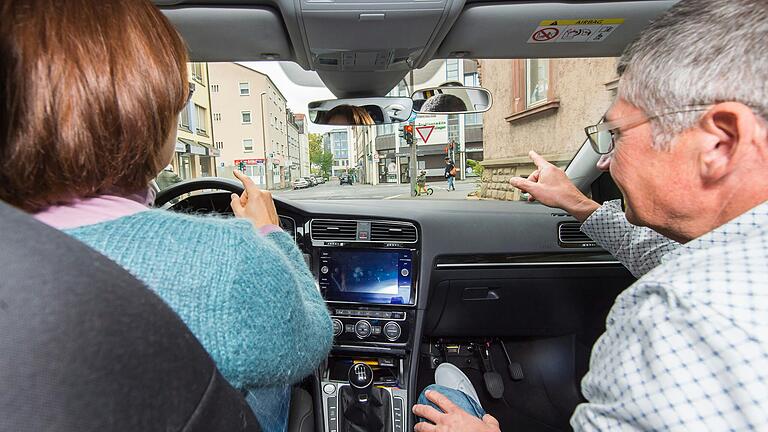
(686, 346)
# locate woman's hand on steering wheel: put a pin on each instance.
(254, 204)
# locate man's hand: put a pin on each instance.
(453, 419)
(550, 186)
(254, 204)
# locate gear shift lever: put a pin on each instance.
(360, 378)
(363, 407)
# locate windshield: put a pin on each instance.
(253, 117)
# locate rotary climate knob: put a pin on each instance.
(338, 327)
(392, 330)
(363, 329)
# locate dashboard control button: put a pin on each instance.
(392, 330)
(324, 269)
(338, 327)
(329, 388)
(376, 330)
(349, 328)
(363, 329)
(405, 272)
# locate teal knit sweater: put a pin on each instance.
(249, 299)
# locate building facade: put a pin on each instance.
(541, 105)
(250, 120)
(301, 124)
(338, 142)
(294, 151)
(364, 141)
(196, 154)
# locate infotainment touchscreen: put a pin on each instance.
(366, 275)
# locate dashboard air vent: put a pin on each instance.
(333, 230)
(569, 235)
(393, 232)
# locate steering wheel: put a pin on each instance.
(178, 189)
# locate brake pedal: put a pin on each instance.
(494, 384)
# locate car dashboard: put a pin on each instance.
(402, 279)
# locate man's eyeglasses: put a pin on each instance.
(603, 136)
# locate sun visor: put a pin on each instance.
(225, 34)
(548, 30)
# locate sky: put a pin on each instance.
(298, 97)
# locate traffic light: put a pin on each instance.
(408, 134)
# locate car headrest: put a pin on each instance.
(85, 347)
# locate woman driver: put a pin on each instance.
(90, 91)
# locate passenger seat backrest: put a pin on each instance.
(86, 347)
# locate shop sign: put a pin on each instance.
(249, 161)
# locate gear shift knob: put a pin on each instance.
(360, 378)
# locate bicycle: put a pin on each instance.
(420, 192)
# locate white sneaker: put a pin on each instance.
(450, 376)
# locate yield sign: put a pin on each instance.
(425, 129)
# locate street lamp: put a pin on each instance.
(264, 142)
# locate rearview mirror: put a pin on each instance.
(361, 111)
(452, 100)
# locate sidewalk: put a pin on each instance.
(463, 188)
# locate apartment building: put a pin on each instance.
(337, 141)
(250, 119)
(196, 153)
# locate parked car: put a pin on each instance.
(321, 180)
(311, 181)
(345, 178)
(300, 183)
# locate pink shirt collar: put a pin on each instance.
(89, 211)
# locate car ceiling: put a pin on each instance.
(363, 48)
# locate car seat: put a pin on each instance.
(86, 347)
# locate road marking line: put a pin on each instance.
(391, 197)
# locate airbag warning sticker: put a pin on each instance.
(574, 30)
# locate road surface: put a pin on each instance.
(332, 190)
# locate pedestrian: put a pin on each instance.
(450, 173)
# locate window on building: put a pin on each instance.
(245, 117)
(247, 145)
(197, 72)
(245, 89)
(281, 126)
(536, 81)
(219, 145)
(201, 120)
(217, 116)
(452, 70)
(215, 88)
(184, 118)
(471, 79)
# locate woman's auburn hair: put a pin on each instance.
(90, 91)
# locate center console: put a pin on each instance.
(367, 272)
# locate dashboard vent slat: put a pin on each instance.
(333, 230)
(393, 232)
(569, 235)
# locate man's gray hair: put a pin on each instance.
(699, 52)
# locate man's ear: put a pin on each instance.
(728, 128)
